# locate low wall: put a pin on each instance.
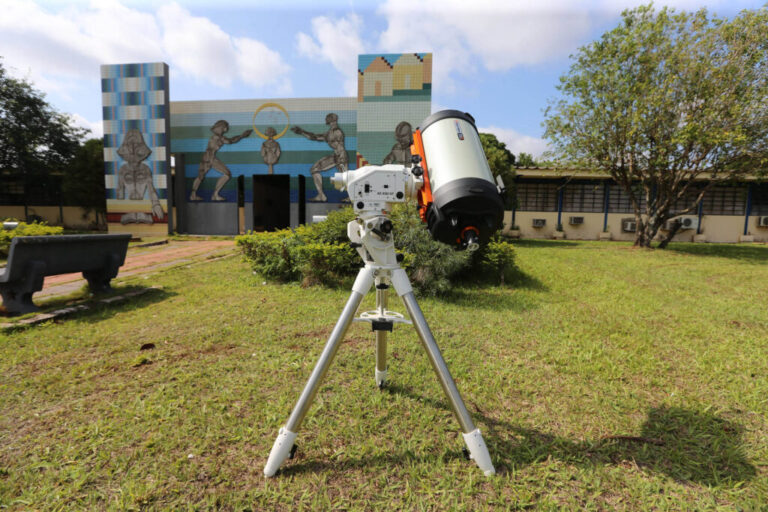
(74, 217)
(715, 228)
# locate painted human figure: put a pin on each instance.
(209, 160)
(134, 178)
(401, 151)
(270, 149)
(334, 137)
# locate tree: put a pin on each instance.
(34, 137)
(526, 160)
(83, 183)
(667, 104)
(501, 161)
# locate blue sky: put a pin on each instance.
(499, 60)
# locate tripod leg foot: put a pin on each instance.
(381, 378)
(280, 451)
(479, 452)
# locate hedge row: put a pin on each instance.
(320, 254)
(24, 229)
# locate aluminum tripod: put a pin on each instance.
(375, 244)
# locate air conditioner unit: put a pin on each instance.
(628, 225)
(576, 220)
(686, 222)
(539, 223)
(762, 222)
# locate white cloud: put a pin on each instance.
(517, 142)
(497, 34)
(96, 127)
(53, 48)
(337, 41)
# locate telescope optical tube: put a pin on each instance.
(465, 207)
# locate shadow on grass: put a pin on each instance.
(539, 242)
(746, 253)
(684, 444)
(97, 310)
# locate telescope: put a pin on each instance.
(460, 202)
(461, 205)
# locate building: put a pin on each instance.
(222, 167)
(588, 205)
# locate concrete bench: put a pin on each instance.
(32, 258)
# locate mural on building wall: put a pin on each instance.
(270, 149)
(209, 160)
(268, 114)
(136, 160)
(392, 89)
(274, 147)
(134, 180)
(339, 159)
(401, 151)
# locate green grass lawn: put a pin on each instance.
(605, 378)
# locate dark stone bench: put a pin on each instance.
(32, 258)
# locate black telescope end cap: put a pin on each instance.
(465, 203)
(446, 114)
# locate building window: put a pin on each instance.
(537, 197)
(725, 201)
(619, 202)
(583, 197)
(760, 199)
(688, 199)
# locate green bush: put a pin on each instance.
(430, 265)
(24, 229)
(495, 262)
(320, 254)
(269, 253)
(330, 264)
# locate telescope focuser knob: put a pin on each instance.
(417, 171)
(386, 226)
(416, 159)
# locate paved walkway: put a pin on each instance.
(140, 260)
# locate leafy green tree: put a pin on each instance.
(34, 137)
(83, 180)
(526, 160)
(502, 163)
(662, 100)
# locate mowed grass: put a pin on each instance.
(604, 378)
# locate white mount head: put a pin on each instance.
(373, 190)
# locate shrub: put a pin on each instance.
(496, 261)
(24, 229)
(320, 254)
(430, 265)
(325, 263)
(269, 253)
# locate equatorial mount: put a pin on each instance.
(373, 190)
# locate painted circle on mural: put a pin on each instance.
(268, 116)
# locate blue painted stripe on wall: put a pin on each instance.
(152, 140)
(133, 70)
(246, 118)
(190, 170)
(142, 112)
(254, 144)
(149, 83)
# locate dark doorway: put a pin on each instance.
(271, 202)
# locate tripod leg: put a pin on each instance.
(472, 436)
(381, 339)
(287, 435)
